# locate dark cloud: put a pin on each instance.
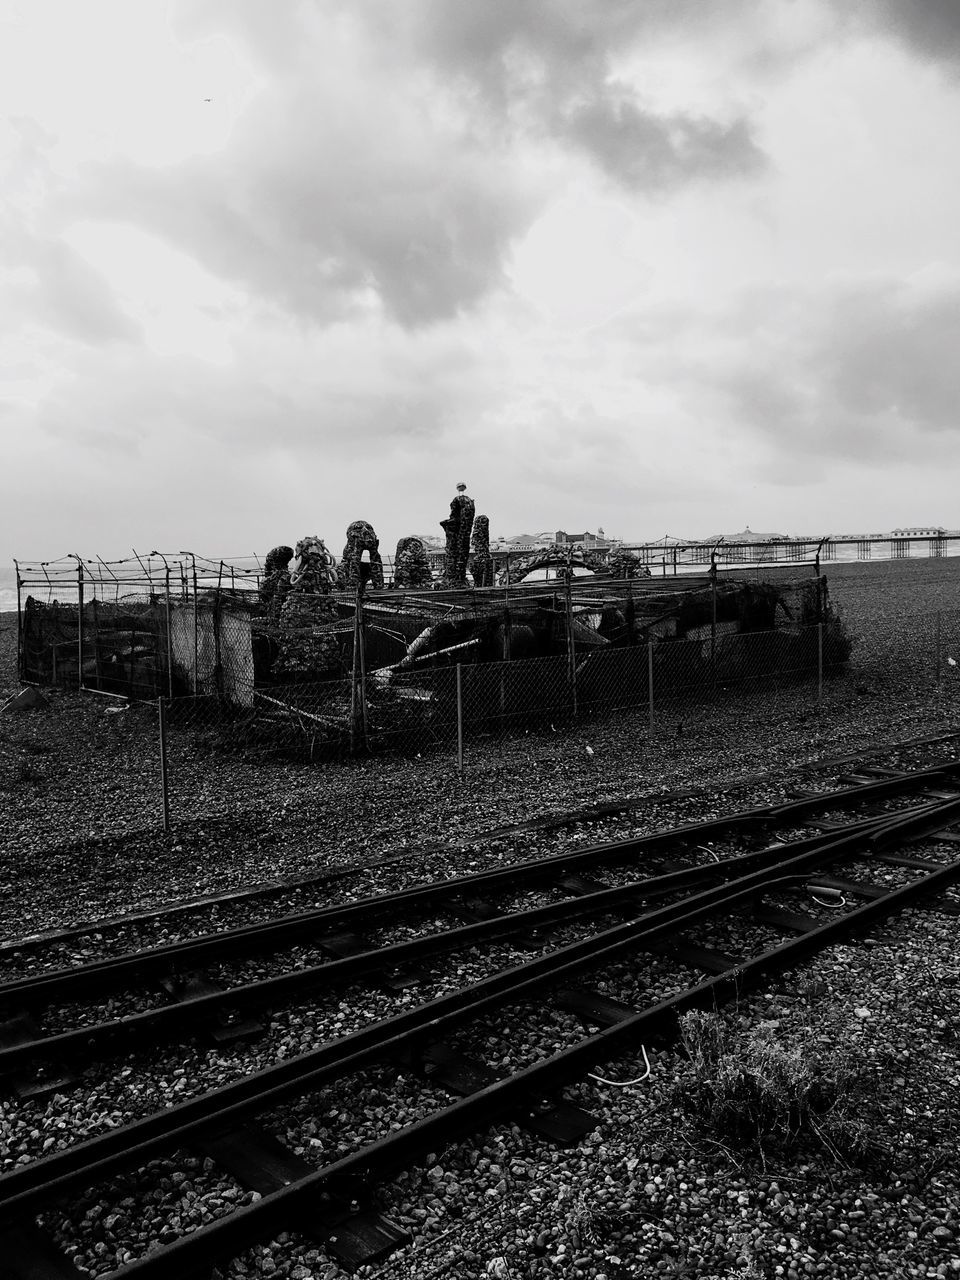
(392, 151)
(654, 153)
(551, 67)
(320, 202)
(929, 27)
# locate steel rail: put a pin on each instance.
(89, 1161)
(277, 1211)
(551, 821)
(115, 971)
(110, 1036)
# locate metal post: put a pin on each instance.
(363, 664)
(460, 719)
(196, 632)
(164, 779)
(358, 699)
(353, 682)
(79, 623)
(819, 661)
(217, 658)
(19, 623)
(650, 687)
(571, 644)
(713, 612)
(96, 641)
(169, 639)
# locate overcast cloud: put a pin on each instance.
(267, 269)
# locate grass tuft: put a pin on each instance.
(765, 1088)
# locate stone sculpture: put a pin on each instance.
(276, 579)
(411, 568)
(624, 564)
(457, 527)
(481, 561)
(360, 538)
(307, 641)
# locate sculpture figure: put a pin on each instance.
(308, 618)
(481, 561)
(411, 567)
(624, 564)
(315, 569)
(276, 579)
(360, 538)
(457, 527)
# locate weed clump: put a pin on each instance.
(766, 1087)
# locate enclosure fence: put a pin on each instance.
(215, 679)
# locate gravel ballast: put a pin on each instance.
(653, 1190)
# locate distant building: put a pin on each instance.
(589, 541)
(523, 542)
(925, 532)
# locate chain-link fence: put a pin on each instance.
(353, 675)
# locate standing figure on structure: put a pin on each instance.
(360, 538)
(481, 561)
(276, 580)
(411, 568)
(457, 527)
(308, 619)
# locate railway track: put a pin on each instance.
(346, 949)
(911, 840)
(147, 924)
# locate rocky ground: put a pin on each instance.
(658, 1189)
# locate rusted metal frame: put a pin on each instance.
(279, 1210)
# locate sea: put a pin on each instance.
(8, 588)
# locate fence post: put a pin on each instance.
(936, 645)
(169, 639)
(571, 645)
(20, 655)
(460, 719)
(164, 779)
(713, 614)
(363, 665)
(650, 687)
(79, 623)
(819, 661)
(196, 632)
(358, 693)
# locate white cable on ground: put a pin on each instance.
(820, 902)
(715, 856)
(624, 1084)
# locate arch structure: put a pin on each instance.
(562, 557)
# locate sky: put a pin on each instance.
(660, 267)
